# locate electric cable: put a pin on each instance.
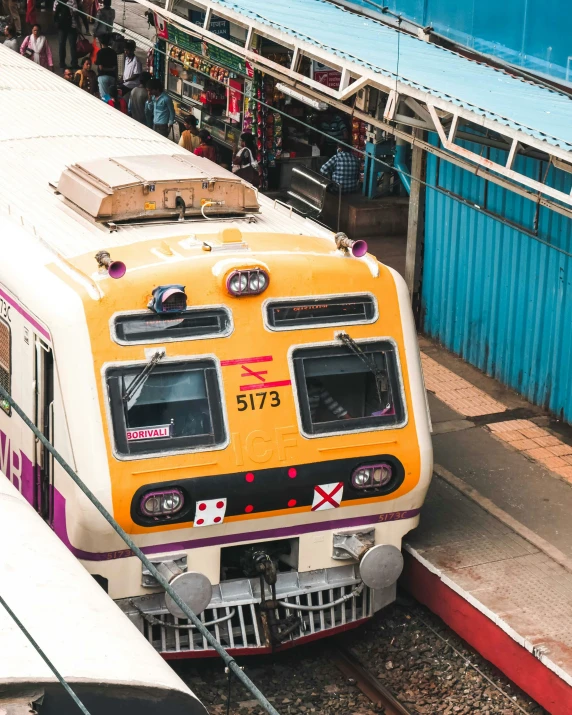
(41, 653)
(228, 660)
(439, 189)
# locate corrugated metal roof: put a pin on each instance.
(494, 94)
(46, 124)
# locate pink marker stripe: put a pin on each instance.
(60, 527)
(265, 385)
(246, 361)
(18, 308)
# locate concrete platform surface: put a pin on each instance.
(515, 604)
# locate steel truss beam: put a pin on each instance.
(431, 113)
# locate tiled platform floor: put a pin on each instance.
(525, 589)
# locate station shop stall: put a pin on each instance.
(220, 88)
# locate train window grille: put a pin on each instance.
(5, 363)
(191, 324)
(315, 312)
(177, 408)
(339, 392)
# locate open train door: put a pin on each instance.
(44, 421)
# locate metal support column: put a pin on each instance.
(370, 171)
(416, 226)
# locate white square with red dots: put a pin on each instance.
(210, 512)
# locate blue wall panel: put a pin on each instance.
(534, 34)
(501, 295)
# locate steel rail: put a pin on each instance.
(371, 687)
(229, 661)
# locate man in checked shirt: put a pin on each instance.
(343, 169)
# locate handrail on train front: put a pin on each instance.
(229, 661)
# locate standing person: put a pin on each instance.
(66, 19)
(11, 41)
(138, 98)
(88, 12)
(36, 48)
(159, 108)
(11, 9)
(104, 20)
(106, 61)
(343, 169)
(243, 162)
(68, 75)
(85, 78)
(131, 70)
(31, 17)
(116, 101)
(190, 137)
(206, 148)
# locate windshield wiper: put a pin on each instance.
(141, 378)
(381, 382)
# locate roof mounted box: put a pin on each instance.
(138, 187)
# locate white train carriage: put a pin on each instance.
(240, 390)
(100, 653)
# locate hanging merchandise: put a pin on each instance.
(359, 130)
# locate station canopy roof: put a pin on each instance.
(440, 88)
(535, 110)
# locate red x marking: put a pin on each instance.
(327, 497)
(257, 375)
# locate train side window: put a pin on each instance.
(175, 407)
(192, 324)
(340, 392)
(5, 363)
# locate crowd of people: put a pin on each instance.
(93, 68)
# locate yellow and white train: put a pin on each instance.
(241, 388)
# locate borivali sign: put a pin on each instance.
(148, 433)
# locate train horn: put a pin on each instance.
(356, 248)
(115, 269)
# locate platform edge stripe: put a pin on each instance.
(493, 617)
(523, 531)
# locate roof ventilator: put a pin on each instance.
(154, 187)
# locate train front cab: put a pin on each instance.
(271, 444)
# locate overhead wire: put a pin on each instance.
(228, 660)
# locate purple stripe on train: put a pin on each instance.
(20, 470)
(30, 318)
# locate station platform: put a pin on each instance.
(492, 555)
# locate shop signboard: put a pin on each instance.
(216, 55)
(331, 78)
(218, 26)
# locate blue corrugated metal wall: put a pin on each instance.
(534, 34)
(500, 295)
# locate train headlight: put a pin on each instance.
(247, 282)
(238, 283)
(372, 476)
(162, 503)
(257, 282)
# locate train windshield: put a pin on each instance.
(176, 408)
(342, 391)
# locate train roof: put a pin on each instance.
(48, 124)
(79, 627)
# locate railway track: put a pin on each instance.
(348, 663)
